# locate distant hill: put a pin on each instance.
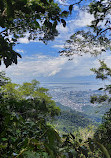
(95, 113)
(69, 120)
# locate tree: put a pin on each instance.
(103, 73)
(3, 79)
(37, 18)
(102, 21)
(103, 132)
(98, 38)
(24, 113)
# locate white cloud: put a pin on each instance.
(82, 20)
(23, 40)
(42, 66)
(54, 72)
(63, 2)
(63, 33)
(75, 7)
(62, 29)
(108, 61)
(37, 66)
(78, 66)
(20, 51)
(58, 46)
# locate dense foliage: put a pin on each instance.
(39, 18)
(25, 125)
(103, 73)
(34, 18)
(104, 131)
(24, 112)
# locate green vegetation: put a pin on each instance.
(26, 110)
(26, 126)
(32, 17)
(104, 130)
(40, 17)
(70, 120)
(95, 113)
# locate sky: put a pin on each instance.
(44, 63)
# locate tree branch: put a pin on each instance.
(109, 28)
(3, 31)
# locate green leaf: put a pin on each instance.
(80, 140)
(37, 24)
(48, 149)
(3, 146)
(100, 89)
(4, 139)
(70, 8)
(72, 136)
(84, 150)
(63, 22)
(50, 1)
(44, 1)
(65, 12)
(103, 149)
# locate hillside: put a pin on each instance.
(69, 120)
(95, 113)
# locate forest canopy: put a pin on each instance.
(24, 112)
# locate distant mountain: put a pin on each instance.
(77, 79)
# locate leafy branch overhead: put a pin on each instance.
(36, 18)
(98, 38)
(101, 11)
(85, 42)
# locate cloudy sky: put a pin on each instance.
(43, 62)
